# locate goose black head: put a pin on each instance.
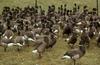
(19, 33)
(9, 27)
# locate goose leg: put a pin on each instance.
(72, 46)
(40, 55)
(88, 45)
(5, 48)
(74, 62)
(19, 48)
(98, 44)
(27, 43)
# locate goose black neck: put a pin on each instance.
(82, 48)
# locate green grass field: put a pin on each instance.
(51, 56)
(45, 3)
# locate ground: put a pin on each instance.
(51, 56)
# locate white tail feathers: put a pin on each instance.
(86, 28)
(10, 44)
(13, 44)
(23, 38)
(35, 51)
(67, 39)
(66, 57)
(55, 31)
(79, 23)
(94, 33)
(6, 37)
(30, 39)
(81, 31)
(78, 30)
(99, 32)
(37, 35)
(10, 37)
(99, 22)
(19, 44)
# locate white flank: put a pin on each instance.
(35, 51)
(99, 32)
(30, 39)
(59, 22)
(86, 28)
(10, 44)
(67, 39)
(81, 31)
(10, 37)
(37, 25)
(23, 38)
(55, 31)
(99, 22)
(38, 28)
(23, 43)
(19, 44)
(15, 26)
(3, 35)
(6, 37)
(37, 35)
(66, 57)
(79, 23)
(78, 30)
(76, 56)
(94, 33)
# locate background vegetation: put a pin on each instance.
(45, 3)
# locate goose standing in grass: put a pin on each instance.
(8, 34)
(84, 39)
(19, 41)
(75, 54)
(98, 40)
(72, 39)
(46, 42)
(7, 41)
(40, 48)
(30, 35)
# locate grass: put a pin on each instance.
(51, 56)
